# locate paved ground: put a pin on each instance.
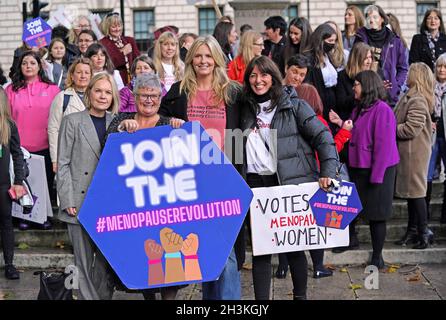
(407, 282)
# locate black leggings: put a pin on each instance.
(418, 213)
(261, 265)
(6, 228)
(378, 234)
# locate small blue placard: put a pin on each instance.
(336, 209)
(36, 33)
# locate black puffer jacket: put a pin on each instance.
(299, 134)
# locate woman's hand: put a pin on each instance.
(128, 125)
(127, 49)
(55, 167)
(387, 84)
(19, 190)
(325, 184)
(434, 126)
(348, 125)
(176, 123)
(334, 118)
(71, 211)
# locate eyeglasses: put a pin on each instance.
(259, 44)
(144, 97)
(112, 14)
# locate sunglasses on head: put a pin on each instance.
(112, 14)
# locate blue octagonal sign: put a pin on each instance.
(165, 206)
(37, 33)
(336, 209)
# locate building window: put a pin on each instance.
(361, 5)
(207, 19)
(292, 12)
(421, 10)
(143, 27)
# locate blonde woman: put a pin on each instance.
(166, 58)
(414, 139)
(122, 50)
(9, 149)
(80, 139)
(207, 95)
(251, 45)
(354, 20)
(80, 23)
(68, 101)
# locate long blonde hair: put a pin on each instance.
(178, 65)
(337, 56)
(220, 82)
(421, 80)
(114, 106)
(5, 118)
(247, 43)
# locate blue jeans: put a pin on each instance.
(228, 286)
(438, 148)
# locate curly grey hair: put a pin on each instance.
(147, 80)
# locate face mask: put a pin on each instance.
(328, 47)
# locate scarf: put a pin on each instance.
(432, 41)
(378, 38)
(440, 90)
(120, 44)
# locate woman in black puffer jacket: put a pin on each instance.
(299, 134)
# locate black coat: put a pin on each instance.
(174, 104)
(345, 97)
(299, 134)
(17, 158)
(314, 76)
(276, 50)
(420, 52)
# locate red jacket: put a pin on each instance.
(118, 58)
(236, 69)
(340, 138)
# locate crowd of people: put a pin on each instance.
(323, 99)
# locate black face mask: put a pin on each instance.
(328, 47)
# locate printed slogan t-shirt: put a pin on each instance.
(211, 117)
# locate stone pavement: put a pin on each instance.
(404, 282)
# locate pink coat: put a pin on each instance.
(30, 107)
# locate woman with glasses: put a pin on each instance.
(373, 156)
(85, 40)
(251, 45)
(430, 43)
(122, 50)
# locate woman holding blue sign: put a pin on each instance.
(147, 95)
(208, 96)
(271, 108)
(80, 138)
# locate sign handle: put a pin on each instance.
(217, 9)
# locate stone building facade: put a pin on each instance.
(142, 17)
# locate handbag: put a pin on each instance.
(52, 286)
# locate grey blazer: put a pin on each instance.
(79, 150)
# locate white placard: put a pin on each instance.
(39, 186)
(282, 221)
